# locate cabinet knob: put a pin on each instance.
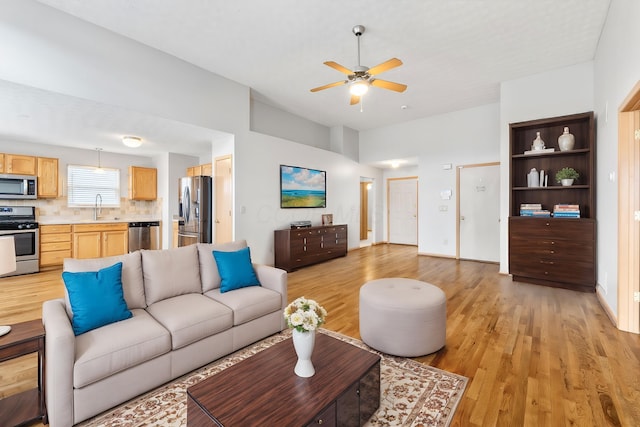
(320, 421)
(547, 224)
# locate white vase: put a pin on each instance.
(566, 141)
(303, 342)
(566, 182)
(538, 143)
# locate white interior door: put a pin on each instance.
(403, 210)
(479, 211)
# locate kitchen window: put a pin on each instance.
(85, 183)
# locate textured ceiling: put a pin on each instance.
(455, 52)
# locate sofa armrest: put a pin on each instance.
(274, 279)
(60, 358)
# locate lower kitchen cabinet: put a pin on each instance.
(55, 244)
(100, 240)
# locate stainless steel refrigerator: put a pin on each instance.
(194, 196)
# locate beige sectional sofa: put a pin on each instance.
(181, 321)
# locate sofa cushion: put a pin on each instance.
(235, 269)
(132, 285)
(170, 272)
(248, 303)
(208, 268)
(105, 351)
(191, 317)
(96, 298)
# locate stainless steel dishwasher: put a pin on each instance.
(144, 235)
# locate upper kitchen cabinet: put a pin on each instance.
(47, 177)
(1, 162)
(200, 170)
(19, 164)
(143, 183)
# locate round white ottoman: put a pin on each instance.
(403, 317)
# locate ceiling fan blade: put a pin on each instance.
(387, 65)
(339, 67)
(398, 87)
(315, 89)
(354, 100)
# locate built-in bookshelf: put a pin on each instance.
(551, 226)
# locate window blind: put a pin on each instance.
(84, 183)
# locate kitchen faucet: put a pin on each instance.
(97, 209)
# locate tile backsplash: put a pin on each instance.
(56, 210)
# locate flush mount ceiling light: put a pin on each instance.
(132, 141)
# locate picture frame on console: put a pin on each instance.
(302, 187)
(327, 219)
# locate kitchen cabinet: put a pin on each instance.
(19, 164)
(143, 183)
(100, 240)
(201, 170)
(553, 251)
(47, 172)
(55, 244)
(1, 162)
(299, 247)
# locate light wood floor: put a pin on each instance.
(534, 356)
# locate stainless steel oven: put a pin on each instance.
(19, 222)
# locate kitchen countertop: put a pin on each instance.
(107, 220)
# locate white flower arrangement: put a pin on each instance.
(305, 315)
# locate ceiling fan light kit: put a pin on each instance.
(361, 77)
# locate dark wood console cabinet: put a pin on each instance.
(299, 247)
(553, 251)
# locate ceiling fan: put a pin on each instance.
(362, 77)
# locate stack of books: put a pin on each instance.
(533, 209)
(566, 211)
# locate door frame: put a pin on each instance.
(474, 165)
(628, 318)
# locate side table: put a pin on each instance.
(22, 408)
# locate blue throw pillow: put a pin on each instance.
(235, 269)
(96, 298)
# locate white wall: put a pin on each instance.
(617, 70)
(268, 120)
(257, 183)
(462, 137)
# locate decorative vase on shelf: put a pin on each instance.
(538, 143)
(303, 342)
(566, 182)
(566, 141)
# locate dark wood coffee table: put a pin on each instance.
(263, 390)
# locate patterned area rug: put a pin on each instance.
(412, 394)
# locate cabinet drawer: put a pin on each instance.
(326, 418)
(580, 273)
(53, 229)
(536, 228)
(55, 246)
(557, 249)
(83, 228)
(54, 257)
(52, 238)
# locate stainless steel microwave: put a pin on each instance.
(18, 186)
